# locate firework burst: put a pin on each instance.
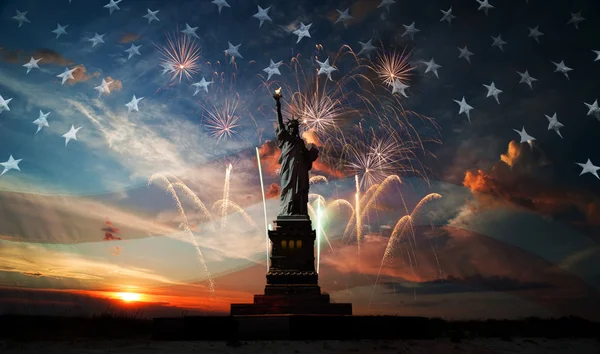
(222, 118)
(180, 56)
(391, 66)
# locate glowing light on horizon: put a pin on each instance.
(129, 297)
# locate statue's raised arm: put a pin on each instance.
(277, 96)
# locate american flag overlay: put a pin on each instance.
(458, 169)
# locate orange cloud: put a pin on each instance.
(269, 157)
(51, 57)
(128, 38)
(81, 75)
(116, 85)
(10, 56)
(273, 191)
(521, 179)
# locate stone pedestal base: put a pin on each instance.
(292, 283)
(305, 304)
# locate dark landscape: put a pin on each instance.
(295, 334)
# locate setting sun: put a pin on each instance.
(129, 297)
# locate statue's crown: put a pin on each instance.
(293, 122)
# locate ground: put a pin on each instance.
(441, 346)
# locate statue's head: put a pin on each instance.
(293, 126)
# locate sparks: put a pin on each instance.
(180, 56)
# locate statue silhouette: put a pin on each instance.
(296, 160)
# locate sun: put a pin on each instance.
(129, 297)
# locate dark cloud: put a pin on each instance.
(473, 283)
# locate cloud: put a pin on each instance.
(25, 258)
(128, 38)
(273, 191)
(81, 75)
(269, 159)
(51, 57)
(522, 178)
(116, 85)
(10, 56)
(471, 283)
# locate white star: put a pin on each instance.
(98, 38)
(554, 124)
(190, 31)
(343, 16)
(167, 68)
(220, 4)
(386, 4)
(33, 63)
(272, 69)
(60, 30)
(525, 138)
(151, 16)
(399, 87)
(410, 30)
(498, 42)
(561, 67)
(448, 16)
(21, 18)
(233, 50)
(464, 53)
(366, 48)
(262, 15)
(588, 167)
(66, 75)
(527, 79)
(4, 104)
(464, 108)
(493, 91)
(133, 50)
(133, 104)
(597, 52)
(325, 68)
(11, 164)
(42, 121)
(484, 5)
(112, 6)
(71, 135)
(201, 84)
(593, 109)
(432, 67)
(302, 31)
(535, 33)
(103, 88)
(576, 18)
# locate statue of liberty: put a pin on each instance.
(296, 160)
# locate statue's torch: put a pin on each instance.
(277, 94)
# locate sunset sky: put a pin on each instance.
(91, 226)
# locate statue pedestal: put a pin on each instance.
(292, 282)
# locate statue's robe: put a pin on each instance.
(296, 160)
